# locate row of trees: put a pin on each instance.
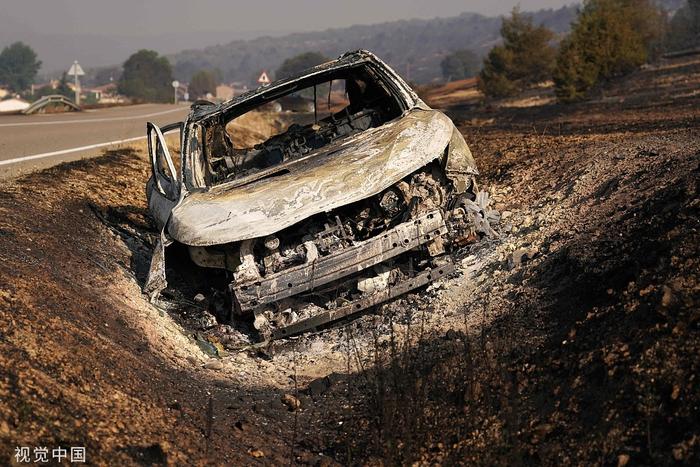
(148, 77)
(18, 69)
(145, 76)
(609, 38)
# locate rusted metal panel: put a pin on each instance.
(329, 316)
(348, 261)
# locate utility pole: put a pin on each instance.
(176, 84)
(76, 70)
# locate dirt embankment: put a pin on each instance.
(86, 361)
(574, 338)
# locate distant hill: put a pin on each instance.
(414, 48)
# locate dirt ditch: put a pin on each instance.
(572, 338)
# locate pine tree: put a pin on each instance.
(609, 38)
(525, 58)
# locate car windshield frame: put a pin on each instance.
(208, 114)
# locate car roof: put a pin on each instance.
(204, 109)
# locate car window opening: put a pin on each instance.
(291, 124)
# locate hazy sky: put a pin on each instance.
(101, 32)
(151, 17)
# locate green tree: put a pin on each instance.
(147, 77)
(609, 38)
(299, 63)
(525, 58)
(18, 66)
(202, 82)
(684, 29)
(460, 64)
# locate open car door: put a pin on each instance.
(163, 188)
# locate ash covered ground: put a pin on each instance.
(573, 338)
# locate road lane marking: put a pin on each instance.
(82, 148)
(68, 151)
(93, 120)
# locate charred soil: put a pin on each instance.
(573, 338)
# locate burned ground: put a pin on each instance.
(573, 338)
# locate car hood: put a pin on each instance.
(339, 174)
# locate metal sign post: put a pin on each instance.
(176, 84)
(76, 70)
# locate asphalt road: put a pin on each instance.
(31, 142)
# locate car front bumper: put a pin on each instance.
(363, 255)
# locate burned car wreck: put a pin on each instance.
(354, 201)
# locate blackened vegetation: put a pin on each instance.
(594, 357)
(608, 370)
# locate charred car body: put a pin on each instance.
(331, 215)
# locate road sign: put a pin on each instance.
(76, 69)
(264, 79)
(176, 84)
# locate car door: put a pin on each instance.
(163, 188)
